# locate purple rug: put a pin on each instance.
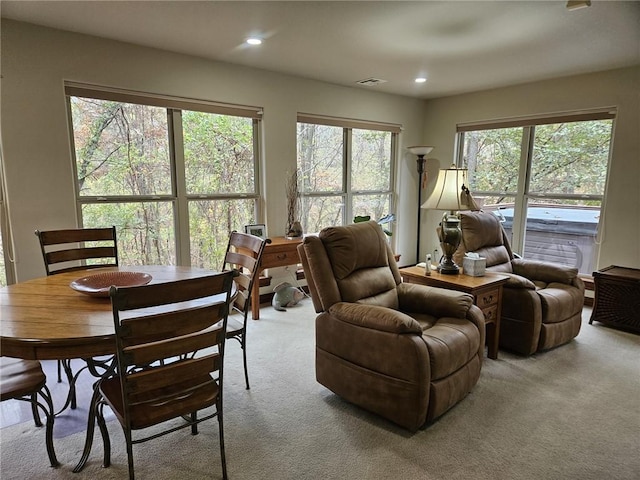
(67, 422)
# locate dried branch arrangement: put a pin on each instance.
(293, 199)
(294, 228)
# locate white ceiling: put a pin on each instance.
(459, 46)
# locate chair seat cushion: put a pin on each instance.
(20, 377)
(451, 342)
(560, 302)
(234, 326)
(150, 412)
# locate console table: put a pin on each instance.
(617, 297)
(486, 291)
(279, 253)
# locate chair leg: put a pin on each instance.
(106, 441)
(45, 393)
(194, 425)
(59, 371)
(127, 436)
(244, 360)
(221, 429)
(47, 408)
(34, 410)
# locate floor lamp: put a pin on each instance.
(420, 151)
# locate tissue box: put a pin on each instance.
(474, 267)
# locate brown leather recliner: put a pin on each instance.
(404, 351)
(541, 302)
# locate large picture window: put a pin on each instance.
(173, 179)
(545, 179)
(346, 170)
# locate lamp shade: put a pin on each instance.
(447, 195)
(420, 149)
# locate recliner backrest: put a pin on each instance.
(483, 234)
(352, 263)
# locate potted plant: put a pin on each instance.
(386, 220)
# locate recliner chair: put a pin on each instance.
(404, 351)
(541, 303)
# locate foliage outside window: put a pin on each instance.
(174, 182)
(344, 172)
(545, 181)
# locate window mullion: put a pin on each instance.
(346, 169)
(181, 205)
(259, 208)
(521, 200)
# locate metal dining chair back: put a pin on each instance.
(244, 253)
(78, 249)
(24, 380)
(170, 341)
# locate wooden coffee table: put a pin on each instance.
(486, 291)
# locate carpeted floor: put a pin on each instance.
(570, 413)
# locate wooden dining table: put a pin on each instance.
(45, 319)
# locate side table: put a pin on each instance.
(279, 253)
(486, 291)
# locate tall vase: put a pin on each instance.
(294, 230)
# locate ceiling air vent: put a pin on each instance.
(371, 81)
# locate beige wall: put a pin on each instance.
(36, 151)
(618, 88)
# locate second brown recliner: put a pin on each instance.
(541, 302)
(404, 351)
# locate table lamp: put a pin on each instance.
(450, 194)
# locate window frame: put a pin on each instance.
(178, 198)
(347, 193)
(523, 195)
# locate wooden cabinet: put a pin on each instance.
(486, 291)
(617, 297)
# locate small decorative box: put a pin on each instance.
(474, 266)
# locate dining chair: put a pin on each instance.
(170, 340)
(68, 250)
(78, 249)
(25, 380)
(244, 254)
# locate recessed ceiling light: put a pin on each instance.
(254, 41)
(420, 80)
(578, 4)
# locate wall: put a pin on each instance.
(35, 139)
(36, 150)
(620, 88)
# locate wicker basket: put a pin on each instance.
(617, 297)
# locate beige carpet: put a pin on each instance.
(570, 413)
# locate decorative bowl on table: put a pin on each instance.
(98, 284)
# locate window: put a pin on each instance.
(7, 272)
(345, 169)
(174, 177)
(3, 270)
(545, 179)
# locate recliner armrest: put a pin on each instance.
(434, 301)
(518, 281)
(543, 271)
(376, 317)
